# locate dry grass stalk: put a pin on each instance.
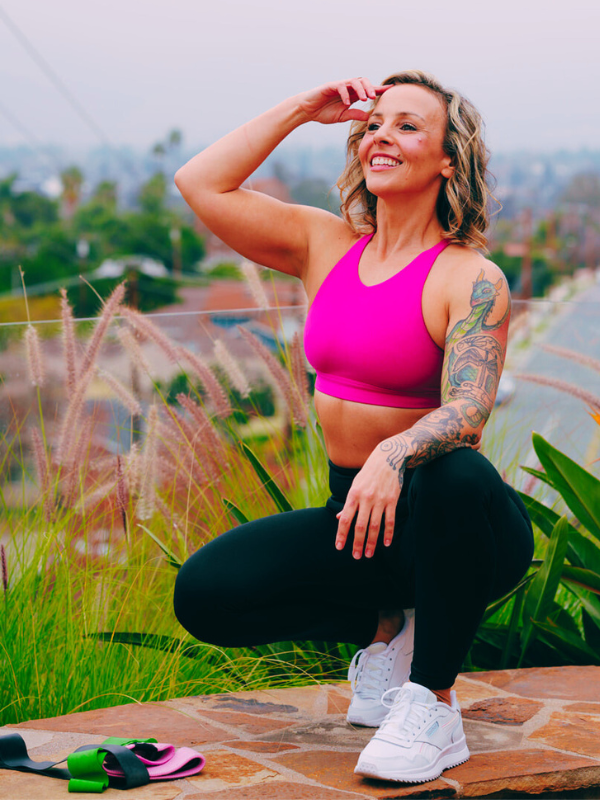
(194, 439)
(122, 495)
(281, 376)
(213, 443)
(122, 392)
(76, 462)
(68, 337)
(213, 388)
(42, 469)
(147, 502)
(111, 306)
(133, 471)
(35, 362)
(170, 468)
(166, 512)
(99, 494)
(231, 368)
(254, 283)
(72, 419)
(572, 355)
(299, 373)
(4, 569)
(147, 328)
(563, 386)
(133, 349)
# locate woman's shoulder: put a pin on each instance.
(462, 264)
(330, 238)
(472, 279)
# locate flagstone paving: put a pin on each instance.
(531, 732)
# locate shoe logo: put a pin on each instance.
(432, 730)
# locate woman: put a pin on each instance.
(407, 332)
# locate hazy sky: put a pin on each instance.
(143, 67)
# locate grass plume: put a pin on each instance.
(563, 386)
(35, 362)
(68, 340)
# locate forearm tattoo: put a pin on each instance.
(473, 360)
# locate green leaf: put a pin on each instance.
(587, 551)
(541, 592)
(497, 604)
(561, 617)
(158, 642)
(569, 644)
(582, 577)
(513, 628)
(582, 551)
(234, 511)
(579, 488)
(171, 557)
(589, 602)
(541, 476)
(281, 501)
(591, 629)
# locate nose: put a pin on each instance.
(382, 134)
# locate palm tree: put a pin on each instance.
(72, 181)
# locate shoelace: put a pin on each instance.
(366, 674)
(406, 716)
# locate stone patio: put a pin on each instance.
(530, 732)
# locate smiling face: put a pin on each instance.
(402, 149)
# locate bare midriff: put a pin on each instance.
(353, 430)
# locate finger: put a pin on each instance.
(344, 94)
(345, 517)
(354, 113)
(369, 88)
(382, 89)
(390, 524)
(374, 528)
(360, 531)
(359, 89)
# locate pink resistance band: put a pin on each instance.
(166, 763)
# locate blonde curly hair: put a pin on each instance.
(462, 205)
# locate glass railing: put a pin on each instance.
(549, 342)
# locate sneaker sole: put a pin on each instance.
(365, 722)
(447, 759)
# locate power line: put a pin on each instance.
(54, 78)
(34, 143)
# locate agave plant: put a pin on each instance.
(539, 630)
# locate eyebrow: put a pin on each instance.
(400, 114)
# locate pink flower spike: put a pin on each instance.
(68, 337)
(34, 356)
(231, 368)
(108, 312)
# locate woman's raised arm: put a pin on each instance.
(259, 227)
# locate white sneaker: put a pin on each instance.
(375, 670)
(418, 740)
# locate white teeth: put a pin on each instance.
(380, 161)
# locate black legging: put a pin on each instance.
(462, 539)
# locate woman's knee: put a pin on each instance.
(200, 597)
(463, 475)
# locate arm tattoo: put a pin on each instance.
(473, 362)
(474, 356)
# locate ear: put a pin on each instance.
(498, 284)
(447, 168)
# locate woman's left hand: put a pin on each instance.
(372, 498)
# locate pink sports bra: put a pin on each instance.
(369, 344)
